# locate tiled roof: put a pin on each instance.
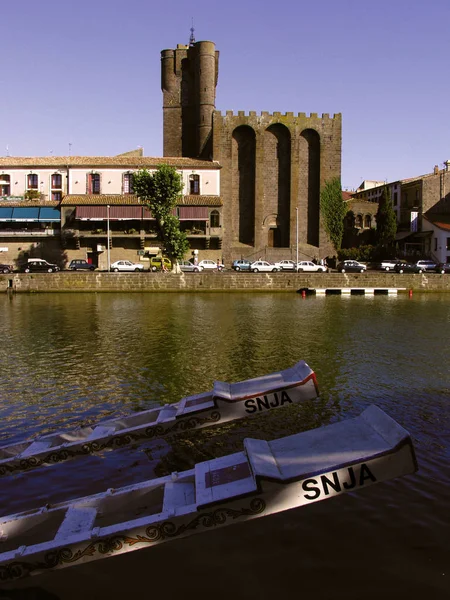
(30, 203)
(77, 199)
(439, 220)
(136, 162)
(200, 201)
(131, 199)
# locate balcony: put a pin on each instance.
(29, 232)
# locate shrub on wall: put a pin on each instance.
(363, 253)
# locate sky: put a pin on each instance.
(83, 78)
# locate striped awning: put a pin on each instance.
(193, 213)
(91, 213)
(25, 214)
(116, 213)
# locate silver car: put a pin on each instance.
(126, 265)
(187, 267)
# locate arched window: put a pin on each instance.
(214, 218)
(359, 221)
(367, 221)
(194, 185)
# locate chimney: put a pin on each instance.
(436, 170)
(447, 165)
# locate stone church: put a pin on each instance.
(273, 166)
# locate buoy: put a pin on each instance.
(410, 293)
(303, 293)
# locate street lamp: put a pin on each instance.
(107, 237)
(296, 237)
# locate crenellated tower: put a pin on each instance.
(188, 80)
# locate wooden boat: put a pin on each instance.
(226, 402)
(266, 478)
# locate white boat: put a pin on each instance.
(226, 402)
(266, 478)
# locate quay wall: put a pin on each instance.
(227, 281)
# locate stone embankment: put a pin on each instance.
(227, 281)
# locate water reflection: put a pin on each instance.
(71, 359)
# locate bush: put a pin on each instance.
(363, 253)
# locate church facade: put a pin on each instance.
(273, 166)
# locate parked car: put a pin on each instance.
(426, 265)
(78, 264)
(286, 265)
(187, 267)
(156, 265)
(441, 268)
(388, 264)
(39, 265)
(263, 266)
(126, 265)
(351, 266)
(209, 265)
(6, 268)
(402, 267)
(241, 265)
(309, 266)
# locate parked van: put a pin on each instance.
(155, 263)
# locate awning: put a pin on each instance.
(422, 234)
(125, 213)
(49, 215)
(5, 213)
(193, 213)
(147, 214)
(90, 213)
(27, 214)
(116, 213)
(401, 235)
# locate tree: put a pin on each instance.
(333, 211)
(160, 191)
(386, 220)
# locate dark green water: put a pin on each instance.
(70, 359)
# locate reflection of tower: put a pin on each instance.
(188, 81)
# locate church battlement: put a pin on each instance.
(279, 115)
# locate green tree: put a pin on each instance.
(333, 210)
(160, 191)
(386, 220)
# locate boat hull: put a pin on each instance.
(226, 402)
(266, 478)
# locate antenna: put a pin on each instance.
(70, 148)
(192, 37)
(7, 150)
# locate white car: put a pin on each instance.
(264, 267)
(209, 265)
(309, 266)
(286, 265)
(126, 265)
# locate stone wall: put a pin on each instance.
(215, 282)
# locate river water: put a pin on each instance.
(70, 359)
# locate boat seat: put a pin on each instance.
(101, 431)
(166, 413)
(36, 447)
(78, 519)
(177, 495)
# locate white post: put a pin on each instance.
(296, 238)
(107, 236)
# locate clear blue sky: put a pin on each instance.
(88, 73)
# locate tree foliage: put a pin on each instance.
(160, 191)
(333, 211)
(386, 220)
